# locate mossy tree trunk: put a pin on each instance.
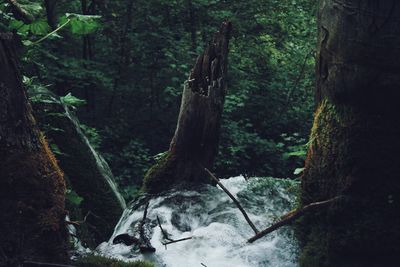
(355, 144)
(86, 172)
(195, 142)
(32, 188)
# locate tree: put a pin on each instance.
(354, 144)
(32, 188)
(195, 143)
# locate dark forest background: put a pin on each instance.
(122, 64)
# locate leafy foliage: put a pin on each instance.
(127, 62)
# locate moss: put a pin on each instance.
(351, 154)
(83, 174)
(100, 261)
(161, 176)
(32, 223)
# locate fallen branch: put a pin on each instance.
(19, 12)
(141, 225)
(165, 235)
(291, 216)
(78, 223)
(234, 200)
(178, 240)
(144, 245)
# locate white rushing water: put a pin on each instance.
(218, 229)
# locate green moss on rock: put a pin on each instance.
(161, 176)
(101, 261)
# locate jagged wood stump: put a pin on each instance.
(195, 143)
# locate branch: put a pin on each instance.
(19, 12)
(144, 245)
(291, 216)
(178, 240)
(51, 33)
(234, 200)
(165, 235)
(298, 79)
(78, 223)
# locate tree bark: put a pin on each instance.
(50, 6)
(355, 144)
(32, 187)
(195, 142)
(85, 170)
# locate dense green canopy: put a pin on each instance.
(128, 60)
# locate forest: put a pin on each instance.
(208, 133)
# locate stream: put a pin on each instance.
(218, 229)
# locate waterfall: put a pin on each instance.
(101, 163)
(218, 229)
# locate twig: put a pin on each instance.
(165, 235)
(298, 79)
(291, 216)
(52, 32)
(78, 223)
(145, 245)
(178, 240)
(202, 264)
(19, 12)
(141, 225)
(234, 200)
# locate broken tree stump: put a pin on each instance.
(197, 132)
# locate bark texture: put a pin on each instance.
(195, 143)
(86, 172)
(355, 140)
(32, 187)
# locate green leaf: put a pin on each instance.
(299, 153)
(298, 171)
(82, 24)
(72, 100)
(39, 27)
(73, 197)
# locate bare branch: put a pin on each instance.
(165, 235)
(291, 216)
(145, 245)
(234, 200)
(178, 240)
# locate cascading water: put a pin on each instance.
(101, 163)
(218, 229)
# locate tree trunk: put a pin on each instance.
(195, 143)
(32, 187)
(355, 144)
(50, 6)
(85, 170)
